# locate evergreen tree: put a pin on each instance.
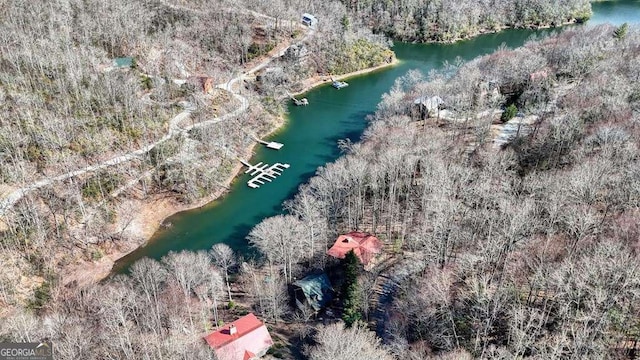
(350, 300)
(621, 32)
(509, 113)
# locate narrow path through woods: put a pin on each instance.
(13, 197)
(385, 288)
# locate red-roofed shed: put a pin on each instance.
(244, 339)
(365, 246)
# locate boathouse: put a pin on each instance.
(365, 246)
(244, 339)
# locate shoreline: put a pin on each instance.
(315, 81)
(500, 28)
(155, 210)
(151, 217)
(250, 150)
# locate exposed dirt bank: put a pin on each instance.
(150, 213)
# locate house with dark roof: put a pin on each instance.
(314, 290)
(244, 339)
(365, 246)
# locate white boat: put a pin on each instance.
(339, 84)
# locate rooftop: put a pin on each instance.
(365, 246)
(249, 338)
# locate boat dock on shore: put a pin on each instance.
(270, 144)
(263, 173)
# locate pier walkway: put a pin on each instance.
(263, 173)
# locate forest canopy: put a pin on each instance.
(505, 190)
(520, 248)
(450, 20)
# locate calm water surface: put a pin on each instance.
(310, 138)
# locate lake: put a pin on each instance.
(311, 134)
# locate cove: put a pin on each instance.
(311, 134)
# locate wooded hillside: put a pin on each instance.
(527, 248)
(108, 106)
(439, 20)
(505, 190)
(524, 248)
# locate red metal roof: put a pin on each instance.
(364, 245)
(251, 337)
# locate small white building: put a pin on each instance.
(309, 20)
(427, 106)
(430, 103)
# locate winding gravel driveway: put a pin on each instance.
(13, 197)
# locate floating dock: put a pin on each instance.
(263, 173)
(339, 84)
(301, 102)
(270, 144)
(275, 145)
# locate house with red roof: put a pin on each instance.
(365, 246)
(244, 339)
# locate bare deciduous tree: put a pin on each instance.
(335, 342)
(224, 258)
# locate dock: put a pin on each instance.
(338, 84)
(299, 102)
(263, 173)
(270, 144)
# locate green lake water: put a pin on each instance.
(310, 137)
